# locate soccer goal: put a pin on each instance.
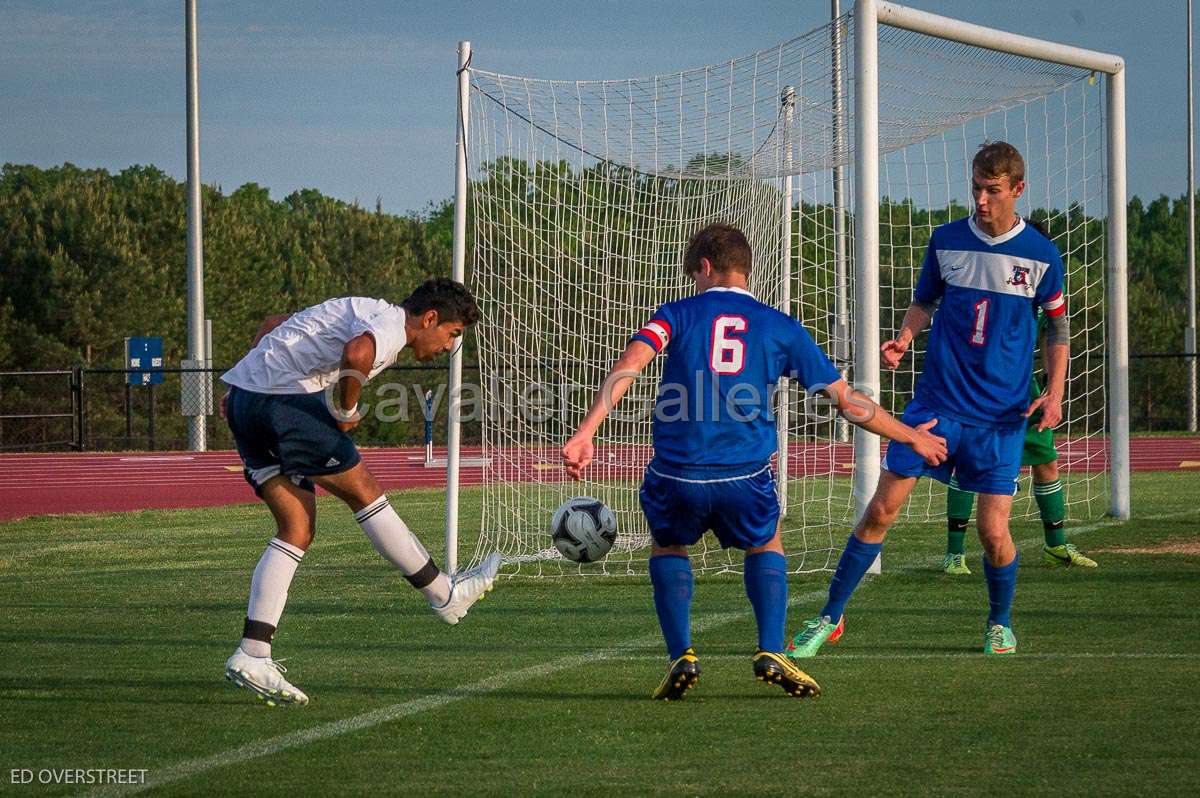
(837, 152)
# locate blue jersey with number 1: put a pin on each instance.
(980, 350)
(725, 353)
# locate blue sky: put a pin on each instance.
(357, 98)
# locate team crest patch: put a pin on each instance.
(1020, 277)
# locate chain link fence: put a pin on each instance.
(1158, 391)
(101, 409)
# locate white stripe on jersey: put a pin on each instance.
(991, 271)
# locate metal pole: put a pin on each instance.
(1118, 298)
(1189, 334)
(841, 325)
(866, 242)
(77, 406)
(150, 415)
(458, 272)
(195, 233)
(782, 419)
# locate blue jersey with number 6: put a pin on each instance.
(725, 354)
(980, 350)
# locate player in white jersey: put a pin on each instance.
(291, 401)
(984, 276)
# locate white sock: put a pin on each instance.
(268, 594)
(392, 539)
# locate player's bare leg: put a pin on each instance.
(251, 665)
(765, 574)
(1000, 567)
(862, 548)
(994, 535)
(357, 487)
(449, 597)
(891, 493)
(294, 510)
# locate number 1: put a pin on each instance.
(981, 311)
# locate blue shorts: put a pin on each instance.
(982, 459)
(738, 504)
(290, 434)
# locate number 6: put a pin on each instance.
(728, 355)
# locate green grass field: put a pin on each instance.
(117, 628)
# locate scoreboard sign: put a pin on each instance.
(142, 355)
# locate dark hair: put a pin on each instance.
(723, 245)
(451, 300)
(997, 158)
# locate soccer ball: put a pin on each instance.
(583, 529)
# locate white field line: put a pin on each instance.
(273, 745)
(971, 655)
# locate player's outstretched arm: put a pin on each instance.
(578, 452)
(859, 409)
(1058, 355)
(916, 320)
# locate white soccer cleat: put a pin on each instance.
(263, 676)
(468, 587)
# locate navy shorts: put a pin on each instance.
(290, 434)
(739, 504)
(982, 459)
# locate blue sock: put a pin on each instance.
(1002, 583)
(765, 575)
(671, 576)
(856, 559)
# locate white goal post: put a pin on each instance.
(574, 199)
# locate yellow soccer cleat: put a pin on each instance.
(1066, 556)
(681, 677)
(774, 668)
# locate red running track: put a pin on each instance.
(38, 484)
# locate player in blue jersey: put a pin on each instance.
(983, 275)
(1039, 453)
(714, 435)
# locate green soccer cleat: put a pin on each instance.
(956, 564)
(999, 640)
(775, 668)
(1066, 556)
(815, 633)
(681, 677)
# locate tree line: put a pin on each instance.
(89, 257)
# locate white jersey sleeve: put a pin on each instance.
(386, 326)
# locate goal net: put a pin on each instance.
(583, 195)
